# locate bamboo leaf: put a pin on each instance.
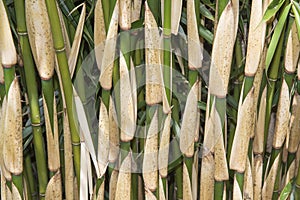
(206, 13)
(285, 193)
(84, 156)
(85, 130)
(76, 42)
(296, 10)
(272, 9)
(276, 35)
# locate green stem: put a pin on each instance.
(9, 75)
(31, 83)
(106, 10)
(48, 91)
(59, 46)
(29, 176)
(218, 190)
(240, 180)
(18, 182)
(273, 75)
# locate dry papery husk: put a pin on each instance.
(40, 37)
(12, 138)
(150, 162)
(114, 138)
(107, 62)
(268, 187)
(195, 47)
(163, 153)
(187, 188)
(292, 50)
(68, 161)
(54, 190)
(282, 117)
(113, 184)
(256, 38)
(257, 176)
(244, 129)
(52, 137)
(128, 116)
(103, 139)
(248, 181)
(190, 123)
(8, 54)
(294, 138)
(125, 14)
(207, 180)
(123, 188)
(223, 49)
(153, 62)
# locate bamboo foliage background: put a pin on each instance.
(149, 99)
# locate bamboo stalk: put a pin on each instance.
(59, 46)
(31, 81)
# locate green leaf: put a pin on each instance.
(202, 105)
(206, 34)
(276, 35)
(206, 13)
(296, 10)
(272, 9)
(297, 6)
(285, 193)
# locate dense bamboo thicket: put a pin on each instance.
(149, 99)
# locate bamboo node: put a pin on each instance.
(42, 194)
(76, 143)
(59, 50)
(22, 33)
(36, 124)
(272, 79)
